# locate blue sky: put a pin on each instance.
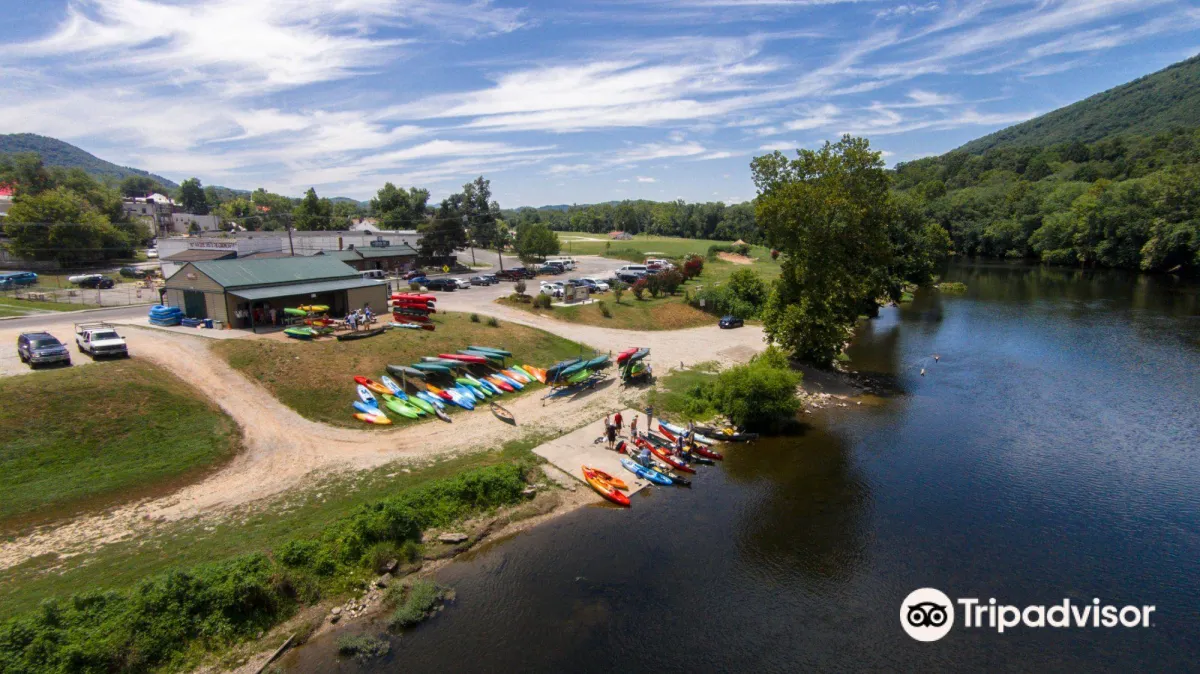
(554, 102)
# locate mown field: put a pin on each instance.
(11, 306)
(90, 436)
(316, 378)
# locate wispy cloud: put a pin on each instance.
(646, 179)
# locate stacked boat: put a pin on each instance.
(165, 316)
(632, 362)
(412, 310)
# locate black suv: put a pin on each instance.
(41, 348)
(101, 282)
(446, 284)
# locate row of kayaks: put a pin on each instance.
(667, 465)
(576, 370)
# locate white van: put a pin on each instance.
(568, 263)
(633, 269)
(374, 273)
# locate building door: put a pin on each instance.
(193, 304)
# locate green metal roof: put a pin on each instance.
(305, 289)
(395, 250)
(343, 255)
(274, 271)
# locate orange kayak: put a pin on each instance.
(373, 386)
(615, 482)
(604, 488)
(535, 371)
(669, 458)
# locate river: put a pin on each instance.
(1053, 452)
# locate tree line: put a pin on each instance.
(713, 220)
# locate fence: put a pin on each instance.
(57, 291)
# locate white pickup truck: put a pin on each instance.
(99, 339)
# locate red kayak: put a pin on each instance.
(402, 317)
(463, 357)
(697, 448)
(665, 456)
(414, 297)
(624, 355)
(415, 306)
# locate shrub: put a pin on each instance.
(474, 318)
(542, 301)
(654, 284)
(693, 266)
(492, 322)
(519, 286)
(952, 287)
(743, 296)
(605, 311)
(413, 601)
(760, 395)
(639, 288)
(774, 254)
(362, 646)
(670, 281)
(618, 290)
(748, 287)
(413, 285)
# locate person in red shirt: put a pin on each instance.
(618, 421)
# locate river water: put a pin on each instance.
(1053, 452)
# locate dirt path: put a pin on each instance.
(283, 448)
(735, 258)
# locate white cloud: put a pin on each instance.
(814, 119)
(782, 146)
(646, 179)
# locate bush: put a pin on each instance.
(542, 301)
(639, 288)
(952, 287)
(492, 322)
(605, 311)
(414, 602)
(743, 296)
(742, 249)
(693, 266)
(618, 290)
(519, 286)
(760, 395)
(413, 285)
(474, 318)
(519, 298)
(670, 281)
(362, 646)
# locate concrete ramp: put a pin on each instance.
(579, 448)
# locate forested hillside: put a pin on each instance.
(1162, 101)
(713, 220)
(55, 152)
(1131, 202)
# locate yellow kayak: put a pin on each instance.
(315, 308)
(377, 419)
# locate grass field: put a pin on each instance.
(11, 306)
(642, 245)
(303, 513)
(316, 378)
(91, 436)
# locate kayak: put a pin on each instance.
(443, 361)
(483, 354)
(433, 390)
(513, 374)
(365, 408)
(478, 391)
(405, 371)
(487, 387)
(393, 387)
(466, 402)
(624, 355)
(500, 383)
(362, 334)
(526, 373)
(409, 316)
(300, 333)
(377, 419)
(418, 403)
(509, 380)
(466, 392)
(374, 386)
(400, 407)
(639, 354)
(432, 367)
(614, 482)
(679, 430)
(727, 434)
(636, 370)
(442, 415)
(644, 472)
(364, 394)
(537, 372)
(412, 326)
(289, 311)
(413, 296)
(501, 352)
(604, 489)
(433, 401)
(478, 360)
(597, 363)
(553, 371)
(671, 460)
(319, 322)
(314, 308)
(579, 377)
(572, 369)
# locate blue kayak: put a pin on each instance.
(509, 380)
(365, 408)
(437, 402)
(644, 472)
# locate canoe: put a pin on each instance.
(483, 354)
(604, 489)
(289, 311)
(365, 408)
(361, 334)
(500, 383)
(493, 349)
(409, 317)
(364, 394)
(405, 371)
(727, 434)
(432, 367)
(400, 407)
(679, 430)
(503, 414)
(478, 360)
(374, 386)
(300, 333)
(537, 372)
(377, 419)
(314, 308)
(413, 326)
(441, 415)
(615, 482)
(644, 472)
(624, 355)
(443, 361)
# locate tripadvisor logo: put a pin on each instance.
(928, 615)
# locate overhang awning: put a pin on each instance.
(292, 290)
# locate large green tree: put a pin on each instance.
(830, 213)
(445, 232)
(192, 197)
(140, 186)
(482, 216)
(535, 241)
(397, 208)
(59, 224)
(316, 213)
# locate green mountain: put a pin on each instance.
(1161, 101)
(55, 152)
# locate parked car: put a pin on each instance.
(97, 281)
(552, 268)
(447, 284)
(377, 274)
(514, 274)
(598, 286)
(552, 288)
(462, 283)
(731, 322)
(152, 254)
(413, 275)
(132, 272)
(99, 339)
(490, 278)
(630, 277)
(17, 279)
(41, 348)
(480, 281)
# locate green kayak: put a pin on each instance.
(295, 312)
(431, 367)
(300, 333)
(579, 376)
(400, 407)
(500, 352)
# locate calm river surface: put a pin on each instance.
(1053, 452)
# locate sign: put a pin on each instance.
(212, 245)
(380, 242)
(445, 269)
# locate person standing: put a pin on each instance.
(619, 422)
(649, 418)
(274, 316)
(612, 436)
(633, 427)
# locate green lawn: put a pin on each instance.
(10, 306)
(316, 378)
(642, 246)
(670, 397)
(259, 528)
(92, 436)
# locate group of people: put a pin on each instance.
(260, 316)
(360, 319)
(614, 425)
